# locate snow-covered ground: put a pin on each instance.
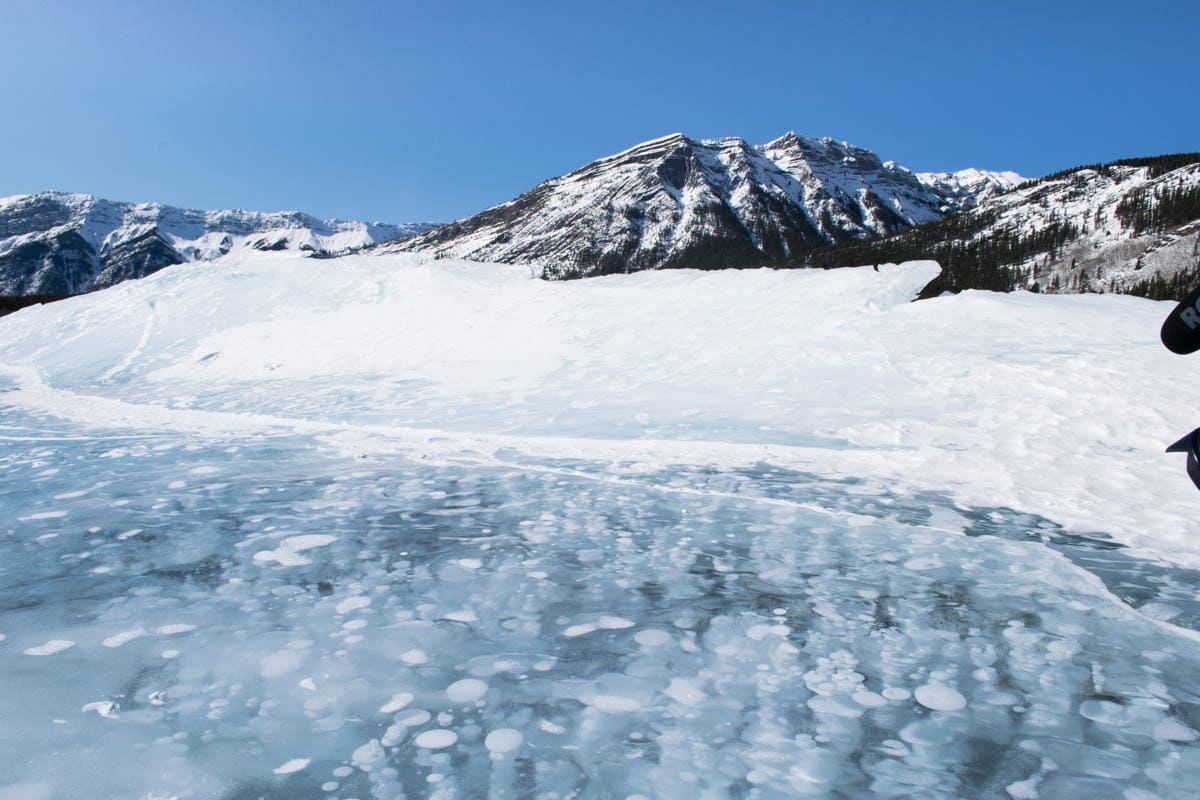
(375, 528)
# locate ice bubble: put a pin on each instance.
(503, 740)
(869, 699)
(288, 552)
(825, 704)
(414, 657)
(1103, 711)
(611, 703)
(118, 639)
(280, 663)
(171, 630)
(652, 638)
(43, 515)
(50, 648)
(896, 693)
(288, 767)
(685, 693)
(1172, 730)
(614, 623)
(578, 630)
(1023, 790)
(758, 632)
(399, 700)
(1160, 611)
(105, 708)
(939, 697)
(436, 739)
(550, 727)
(468, 690)
(413, 717)
(368, 756)
(169, 654)
(353, 604)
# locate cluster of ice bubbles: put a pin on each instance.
(264, 618)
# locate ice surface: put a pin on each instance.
(750, 619)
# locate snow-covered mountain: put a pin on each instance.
(1129, 226)
(969, 187)
(61, 243)
(681, 202)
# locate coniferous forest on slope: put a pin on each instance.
(974, 256)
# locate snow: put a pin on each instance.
(459, 531)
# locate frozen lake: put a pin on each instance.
(262, 616)
(370, 529)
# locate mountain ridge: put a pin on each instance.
(59, 243)
(1129, 226)
(675, 201)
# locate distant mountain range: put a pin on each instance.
(1128, 226)
(55, 243)
(681, 202)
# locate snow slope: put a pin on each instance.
(1056, 406)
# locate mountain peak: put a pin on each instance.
(675, 201)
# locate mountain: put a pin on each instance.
(681, 202)
(56, 243)
(1130, 226)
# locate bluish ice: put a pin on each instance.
(262, 616)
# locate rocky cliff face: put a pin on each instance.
(681, 202)
(57, 243)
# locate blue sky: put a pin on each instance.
(404, 111)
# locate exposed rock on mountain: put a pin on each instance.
(680, 202)
(56, 243)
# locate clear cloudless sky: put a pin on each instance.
(404, 111)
